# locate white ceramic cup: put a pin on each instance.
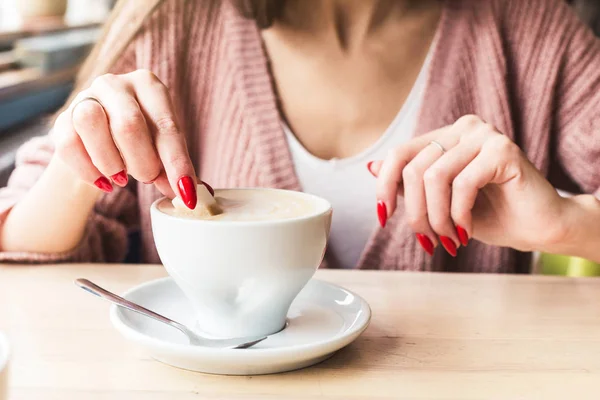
(4, 354)
(242, 276)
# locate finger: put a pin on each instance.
(415, 200)
(430, 176)
(489, 166)
(128, 127)
(438, 180)
(71, 150)
(375, 166)
(155, 102)
(91, 124)
(163, 185)
(390, 173)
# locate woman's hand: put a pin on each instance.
(125, 124)
(477, 184)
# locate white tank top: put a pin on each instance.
(347, 184)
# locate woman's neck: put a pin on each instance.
(352, 22)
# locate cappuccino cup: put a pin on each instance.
(242, 269)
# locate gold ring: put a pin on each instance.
(439, 146)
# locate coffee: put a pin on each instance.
(251, 205)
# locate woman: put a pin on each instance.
(466, 109)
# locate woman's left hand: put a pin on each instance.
(467, 180)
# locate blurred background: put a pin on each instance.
(42, 43)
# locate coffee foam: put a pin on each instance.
(251, 205)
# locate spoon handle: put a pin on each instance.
(118, 300)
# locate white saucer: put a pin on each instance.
(323, 319)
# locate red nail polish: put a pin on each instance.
(187, 190)
(210, 189)
(120, 178)
(369, 165)
(381, 213)
(463, 236)
(448, 245)
(425, 243)
(103, 184)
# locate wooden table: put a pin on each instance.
(432, 336)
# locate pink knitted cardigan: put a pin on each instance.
(529, 67)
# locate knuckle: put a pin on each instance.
(147, 78)
(434, 175)
(144, 74)
(103, 80)
(503, 146)
(411, 174)
(468, 121)
(396, 154)
(489, 129)
(470, 136)
(87, 112)
(461, 184)
(484, 132)
(145, 173)
(129, 124)
(167, 126)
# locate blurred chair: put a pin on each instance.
(553, 264)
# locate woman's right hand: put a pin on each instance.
(125, 124)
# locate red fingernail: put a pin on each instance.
(120, 178)
(187, 190)
(104, 184)
(425, 243)
(369, 164)
(463, 236)
(210, 189)
(448, 245)
(381, 213)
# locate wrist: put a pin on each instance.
(580, 228)
(52, 216)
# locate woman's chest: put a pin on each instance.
(337, 102)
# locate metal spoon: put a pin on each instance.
(195, 340)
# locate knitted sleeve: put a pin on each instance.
(578, 105)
